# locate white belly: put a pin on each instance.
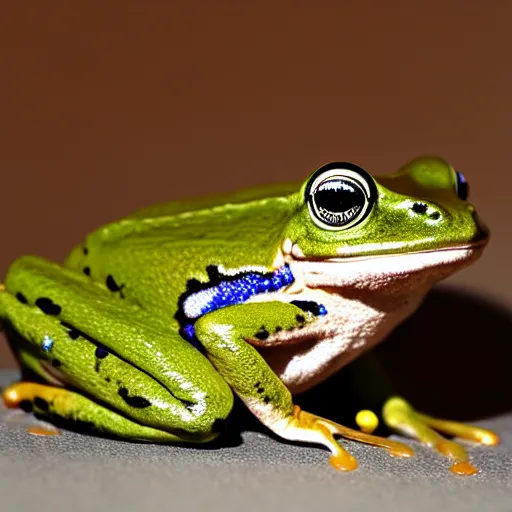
(350, 327)
(365, 299)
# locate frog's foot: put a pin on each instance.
(401, 417)
(306, 427)
(58, 403)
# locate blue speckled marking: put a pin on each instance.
(310, 305)
(47, 343)
(236, 291)
(322, 310)
(189, 331)
(229, 293)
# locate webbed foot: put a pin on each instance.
(307, 427)
(401, 417)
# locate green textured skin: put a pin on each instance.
(153, 253)
(228, 351)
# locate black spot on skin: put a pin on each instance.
(266, 399)
(107, 379)
(21, 298)
(47, 306)
(86, 251)
(262, 334)
(101, 353)
(435, 215)
(56, 363)
(87, 271)
(420, 208)
(112, 285)
(309, 306)
(213, 273)
(72, 332)
(26, 405)
(41, 404)
(194, 285)
(260, 389)
(134, 401)
(300, 318)
(279, 328)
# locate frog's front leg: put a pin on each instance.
(225, 334)
(376, 389)
(107, 363)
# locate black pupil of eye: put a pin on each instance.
(338, 201)
(462, 186)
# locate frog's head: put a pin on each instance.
(352, 228)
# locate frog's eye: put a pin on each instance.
(340, 195)
(462, 186)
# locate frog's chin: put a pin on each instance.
(393, 272)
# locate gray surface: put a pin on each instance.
(78, 472)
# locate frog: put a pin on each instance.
(154, 324)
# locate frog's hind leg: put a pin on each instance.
(132, 376)
(400, 416)
(62, 405)
(52, 401)
(374, 387)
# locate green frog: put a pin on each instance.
(154, 322)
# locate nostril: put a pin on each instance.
(420, 208)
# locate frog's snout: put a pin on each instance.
(483, 233)
(445, 221)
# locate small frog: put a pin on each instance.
(154, 321)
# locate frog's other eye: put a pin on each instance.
(340, 196)
(462, 186)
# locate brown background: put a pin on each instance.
(113, 105)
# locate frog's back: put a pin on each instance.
(153, 255)
(242, 196)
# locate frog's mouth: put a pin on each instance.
(385, 269)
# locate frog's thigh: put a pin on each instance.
(224, 334)
(59, 403)
(66, 327)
